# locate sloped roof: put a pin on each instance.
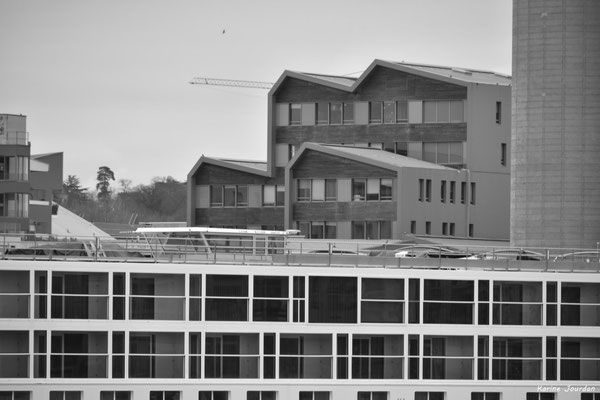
(251, 167)
(458, 76)
(372, 156)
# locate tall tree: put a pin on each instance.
(75, 194)
(104, 176)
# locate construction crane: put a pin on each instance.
(231, 82)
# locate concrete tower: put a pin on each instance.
(555, 184)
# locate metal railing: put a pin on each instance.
(297, 251)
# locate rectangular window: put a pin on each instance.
(517, 358)
(503, 154)
(359, 189)
(444, 228)
(226, 298)
(318, 190)
(540, 396)
(382, 300)
(452, 191)
(452, 229)
(229, 196)
(17, 395)
(242, 196)
(213, 395)
(372, 396)
(348, 113)
(164, 395)
(332, 299)
(463, 192)
(421, 189)
(498, 112)
(457, 111)
(270, 301)
(65, 395)
(335, 113)
(295, 114)
(428, 227)
(314, 396)
(473, 192)
(151, 352)
(370, 361)
(430, 395)
(413, 227)
(322, 113)
(375, 112)
(330, 189)
(304, 190)
(485, 396)
(471, 230)
(268, 196)
(389, 112)
(401, 111)
(428, 190)
(216, 196)
(443, 192)
(330, 230)
(115, 395)
(261, 395)
(429, 111)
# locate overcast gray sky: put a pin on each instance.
(106, 81)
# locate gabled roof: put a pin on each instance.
(251, 167)
(458, 76)
(371, 156)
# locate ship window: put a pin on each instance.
(314, 396)
(115, 395)
(165, 395)
(517, 358)
(78, 355)
(541, 396)
(156, 355)
(261, 395)
(382, 300)
(305, 356)
(270, 301)
(231, 355)
(430, 395)
(18, 395)
(485, 396)
(448, 357)
(377, 357)
(213, 395)
(226, 298)
(65, 395)
(332, 299)
(448, 302)
(517, 303)
(372, 396)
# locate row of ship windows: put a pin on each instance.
(313, 299)
(14, 168)
(163, 355)
(372, 112)
(271, 395)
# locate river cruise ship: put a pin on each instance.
(209, 314)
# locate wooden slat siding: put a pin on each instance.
(314, 164)
(209, 174)
(345, 211)
(388, 133)
(382, 84)
(217, 216)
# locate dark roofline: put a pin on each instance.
(227, 163)
(411, 68)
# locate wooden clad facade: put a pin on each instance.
(400, 110)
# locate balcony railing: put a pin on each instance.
(20, 138)
(296, 251)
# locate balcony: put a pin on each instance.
(18, 138)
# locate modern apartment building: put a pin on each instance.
(195, 326)
(26, 181)
(404, 148)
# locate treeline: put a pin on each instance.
(163, 200)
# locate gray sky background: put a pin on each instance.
(106, 81)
